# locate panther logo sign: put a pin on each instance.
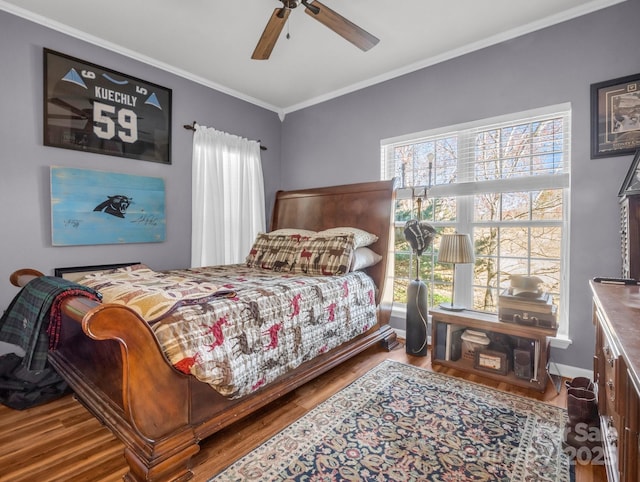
(115, 205)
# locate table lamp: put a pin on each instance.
(455, 249)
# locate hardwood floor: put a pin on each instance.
(61, 441)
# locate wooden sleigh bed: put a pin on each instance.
(114, 363)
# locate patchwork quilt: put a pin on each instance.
(260, 323)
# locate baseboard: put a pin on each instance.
(402, 334)
(567, 371)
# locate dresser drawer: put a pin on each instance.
(612, 376)
(611, 420)
(631, 442)
(610, 380)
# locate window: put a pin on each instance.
(505, 181)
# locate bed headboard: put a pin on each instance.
(367, 205)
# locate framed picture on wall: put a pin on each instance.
(94, 207)
(615, 117)
(93, 109)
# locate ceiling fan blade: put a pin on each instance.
(271, 34)
(340, 25)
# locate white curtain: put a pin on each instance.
(228, 208)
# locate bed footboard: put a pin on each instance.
(114, 363)
(112, 360)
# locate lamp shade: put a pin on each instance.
(455, 249)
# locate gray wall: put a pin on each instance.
(551, 66)
(310, 148)
(24, 176)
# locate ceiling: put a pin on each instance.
(211, 42)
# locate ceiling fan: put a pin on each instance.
(323, 14)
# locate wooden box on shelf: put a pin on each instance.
(444, 323)
(491, 361)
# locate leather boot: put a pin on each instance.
(579, 382)
(582, 406)
(583, 428)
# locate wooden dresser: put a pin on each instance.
(616, 366)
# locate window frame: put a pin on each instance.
(465, 189)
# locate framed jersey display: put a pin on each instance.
(93, 109)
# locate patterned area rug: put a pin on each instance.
(402, 423)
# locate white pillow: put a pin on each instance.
(290, 231)
(363, 258)
(361, 237)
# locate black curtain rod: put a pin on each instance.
(192, 127)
